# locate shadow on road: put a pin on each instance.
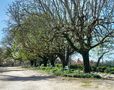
(18, 78)
(1, 71)
(9, 69)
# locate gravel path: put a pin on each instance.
(15, 78)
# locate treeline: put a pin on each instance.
(48, 29)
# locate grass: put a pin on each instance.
(77, 73)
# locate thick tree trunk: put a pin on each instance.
(67, 61)
(52, 63)
(45, 61)
(63, 61)
(52, 58)
(31, 62)
(87, 68)
(64, 64)
(35, 63)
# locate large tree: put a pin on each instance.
(32, 35)
(85, 24)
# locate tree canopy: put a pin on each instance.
(49, 27)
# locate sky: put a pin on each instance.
(3, 16)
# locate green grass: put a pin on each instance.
(58, 71)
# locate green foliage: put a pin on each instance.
(84, 75)
(37, 30)
(109, 70)
(101, 68)
(59, 65)
(50, 70)
(93, 68)
(80, 67)
(68, 73)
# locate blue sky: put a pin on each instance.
(3, 17)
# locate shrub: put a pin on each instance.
(55, 69)
(93, 68)
(59, 65)
(110, 70)
(80, 67)
(101, 68)
(83, 75)
(69, 73)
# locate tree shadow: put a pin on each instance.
(111, 79)
(5, 70)
(30, 78)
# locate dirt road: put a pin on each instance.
(15, 78)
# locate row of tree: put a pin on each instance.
(48, 29)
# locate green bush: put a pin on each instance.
(55, 69)
(82, 75)
(101, 68)
(112, 72)
(93, 68)
(75, 73)
(80, 67)
(68, 73)
(59, 65)
(58, 73)
(109, 70)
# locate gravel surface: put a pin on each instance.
(16, 78)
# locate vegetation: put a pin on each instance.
(76, 73)
(46, 32)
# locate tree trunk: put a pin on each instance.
(63, 61)
(97, 64)
(52, 63)
(31, 62)
(35, 62)
(52, 58)
(45, 61)
(67, 61)
(86, 63)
